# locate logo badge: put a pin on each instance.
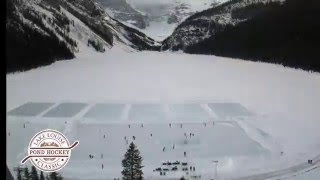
(49, 150)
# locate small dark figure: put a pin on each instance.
(170, 125)
(102, 165)
(125, 138)
(180, 125)
(104, 136)
(190, 134)
(281, 153)
(164, 148)
(190, 168)
(185, 134)
(24, 125)
(134, 138)
(9, 133)
(142, 125)
(151, 134)
(129, 125)
(194, 168)
(173, 146)
(184, 154)
(65, 122)
(205, 124)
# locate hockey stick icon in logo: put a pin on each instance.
(49, 150)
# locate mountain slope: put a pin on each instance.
(204, 24)
(285, 34)
(123, 11)
(42, 31)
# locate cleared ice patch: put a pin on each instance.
(226, 110)
(65, 110)
(30, 109)
(147, 112)
(105, 111)
(188, 112)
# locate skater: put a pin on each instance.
(142, 125)
(104, 136)
(185, 134)
(65, 122)
(170, 125)
(194, 168)
(190, 168)
(180, 125)
(24, 125)
(151, 134)
(190, 135)
(9, 133)
(102, 165)
(133, 137)
(125, 137)
(184, 154)
(129, 125)
(164, 148)
(173, 146)
(205, 124)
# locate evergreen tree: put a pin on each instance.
(55, 176)
(41, 176)
(19, 171)
(26, 174)
(132, 168)
(34, 174)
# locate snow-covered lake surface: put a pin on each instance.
(243, 114)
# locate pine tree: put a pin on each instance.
(34, 173)
(55, 176)
(41, 176)
(26, 174)
(19, 171)
(132, 168)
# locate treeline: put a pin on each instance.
(30, 47)
(287, 34)
(32, 174)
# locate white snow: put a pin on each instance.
(284, 103)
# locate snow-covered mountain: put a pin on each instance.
(66, 26)
(156, 18)
(125, 12)
(204, 24)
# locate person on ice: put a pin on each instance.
(104, 136)
(134, 138)
(173, 146)
(184, 154)
(102, 165)
(142, 125)
(164, 148)
(170, 125)
(151, 134)
(129, 125)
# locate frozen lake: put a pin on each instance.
(162, 132)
